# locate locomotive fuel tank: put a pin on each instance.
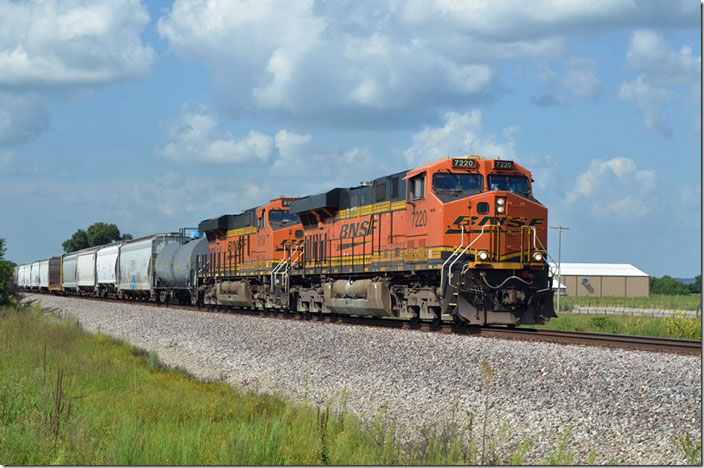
(361, 297)
(231, 293)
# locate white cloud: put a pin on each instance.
(616, 188)
(506, 20)
(649, 100)
(72, 43)
(649, 53)
(394, 62)
(197, 138)
(175, 195)
(461, 134)
(661, 68)
(22, 117)
(580, 79)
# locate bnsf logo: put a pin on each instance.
(361, 228)
(504, 221)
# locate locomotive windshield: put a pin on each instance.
(448, 182)
(512, 183)
(279, 218)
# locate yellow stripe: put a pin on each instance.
(241, 231)
(366, 210)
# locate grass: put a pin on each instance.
(676, 326)
(689, 302)
(69, 397)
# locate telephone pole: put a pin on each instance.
(559, 228)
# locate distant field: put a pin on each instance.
(689, 302)
(672, 327)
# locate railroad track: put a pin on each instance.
(633, 342)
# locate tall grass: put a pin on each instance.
(677, 325)
(688, 302)
(67, 397)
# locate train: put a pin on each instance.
(461, 239)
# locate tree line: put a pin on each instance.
(669, 286)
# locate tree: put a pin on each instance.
(97, 234)
(696, 287)
(78, 241)
(7, 287)
(668, 286)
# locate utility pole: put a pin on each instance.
(559, 228)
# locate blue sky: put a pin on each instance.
(156, 115)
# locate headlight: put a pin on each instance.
(501, 201)
(500, 209)
(482, 255)
(537, 256)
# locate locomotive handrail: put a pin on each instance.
(281, 264)
(449, 270)
(442, 268)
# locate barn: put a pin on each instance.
(603, 279)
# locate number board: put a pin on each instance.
(499, 164)
(285, 202)
(465, 163)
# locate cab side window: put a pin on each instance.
(417, 187)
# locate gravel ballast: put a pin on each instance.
(625, 405)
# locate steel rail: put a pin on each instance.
(564, 337)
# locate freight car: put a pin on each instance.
(460, 239)
(123, 269)
(175, 269)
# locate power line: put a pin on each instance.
(559, 228)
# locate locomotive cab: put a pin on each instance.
(487, 235)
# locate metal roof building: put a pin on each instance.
(603, 279)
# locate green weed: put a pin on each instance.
(676, 326)
(68, 397)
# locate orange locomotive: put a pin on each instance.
(459, 239)
(246, 253)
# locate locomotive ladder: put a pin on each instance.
(282, 269)
(456, 255)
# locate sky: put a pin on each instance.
(155, 115)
